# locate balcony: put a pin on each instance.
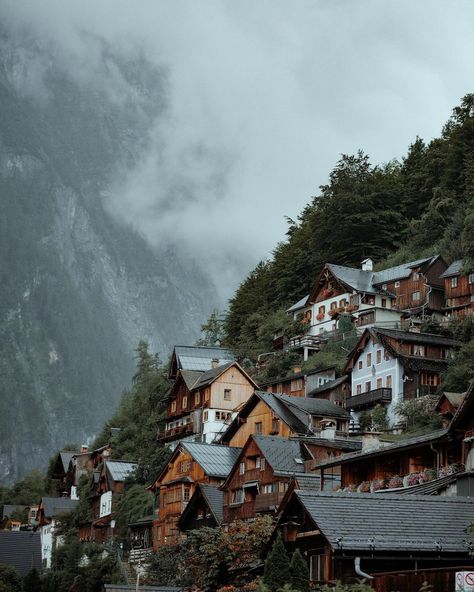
(370, 398)
(302, 341)
(268, 501)
(175, 433)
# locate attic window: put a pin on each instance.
(397, 284)
(454, 282)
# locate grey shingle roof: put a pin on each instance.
(428, 488)
(390, 522)
(386, 448)
(309, 481)
(400, 271)
(190, 377)
(348, 444)
(119, 469)
(412, 337)
(66, 458)
(9, 509)
(454, 269)
(57, 506)
(215, 500)
(327, 386)
(281, 454)
(209, 376)
(216, 461)
(22, 550)
(314, 406)
(200, 358)
(298, 305)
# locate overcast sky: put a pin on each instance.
(263, 98)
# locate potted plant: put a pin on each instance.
(364, 487)
(429, 475)
(395, 482)
(411, 479)
(320, 316)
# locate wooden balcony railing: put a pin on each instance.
(177, 432)
(268, 501)
(380, 395)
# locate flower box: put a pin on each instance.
(378, 484)
(364, 487)
(320, 316)
(411, 479)
(429, 475)
(395, 482)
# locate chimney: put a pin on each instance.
(214, 363)
(371, 441)
(84, 448)
(367, 264)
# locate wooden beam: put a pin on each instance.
(309, 533)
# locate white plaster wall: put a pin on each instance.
(46, 544)
(382, 370)
(212, 428)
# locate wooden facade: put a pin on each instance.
(459, 290)
(299, 384)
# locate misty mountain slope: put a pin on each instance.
(77, 288)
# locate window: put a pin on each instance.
(386, 355)
(282, 486)
(333, 305)
(358, 389)
(397, 284)
(415, 296)
(297, 384)
(33, 513)
(200, 515)
(342, 303)
(384, 286)
(416, 275)
(205, 416)
(173, 406)
(418, 350)
(258, 427)
(369, 360)
(186, 493)
(429, 379)
(366, 319)
(241, 468)
(227, 394)
(360, 365)
(470, 278)
(454, 282)
(237, 496)
(197, 398)
(322, 310)
(261, 464)
(316, 568)
(378, 356)
(206, 394)
(384, 302)
(275, 425)
(184, 466)
(270, 488)
(185, 402)
(388, 381)
(368, 386)
(379, 383)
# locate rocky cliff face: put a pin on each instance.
(78, 289)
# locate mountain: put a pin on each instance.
(78, 288)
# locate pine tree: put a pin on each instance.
(299, 572)
(32, 581)
(277, 566)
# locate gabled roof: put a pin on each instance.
(190, 377)
(293, 411)
(414, 337)
(284, 456)
(57, 506)
(120, 469)
(208, 377)
(213, 498)
(9, 509)
(344, 444)
(21, 550)
(454, 398)
(215, 460)
(464, 411)
(400, 272)
(66, 458)
(299, 305)
(385, 448)
(454, 269)
(328, 386)
(194, 357)
(387, 522)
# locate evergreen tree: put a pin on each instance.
(10, 581)
(32, 581)
(277, 566)
(299, 572)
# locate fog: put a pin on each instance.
(262, 98)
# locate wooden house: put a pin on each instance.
(84, 463)
(12, 516)
(299, 384)
(388, 366)
(197, 358)
(107, 487)
(200, 405)
(337, 391)
(448, 404)
(350, 536)
(266, 467)
(459, 289)
(270, 414)
(140, 539)
(204, 510)
(371, 298)
(190, 463)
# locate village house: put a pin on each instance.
(270, 414)
(191, 463)
(337, 391)
(350, 536)
(389, 366)
(13, 517)
(107, 485)
(448, 404)
(204, 510)
(459, 289)
(299, 384)
(83, 463)
(266, 467)
(201, 403)
(50, 512)
(60, 471)
(371, 298)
